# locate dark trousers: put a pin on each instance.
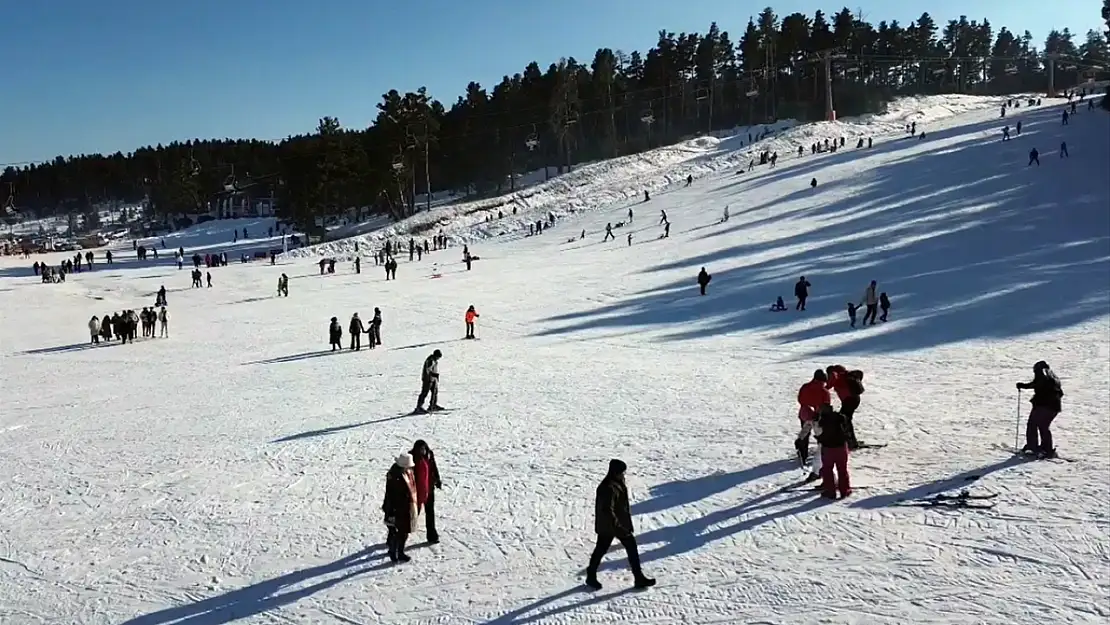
(801, 305)
(882, 317)
(428, 387)
(395, 543)
(430, 516)
(1038, 436)
(604, 541)
(848, 408)
(470, 330)
(872, 312)
(356, 340)
(375, 335)
(702, 286)
(835, 458)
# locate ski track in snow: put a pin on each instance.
(234, 472)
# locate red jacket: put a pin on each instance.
(838, 380)
(813, 395)
(427, 477)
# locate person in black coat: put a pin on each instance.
(356, 329)
(376, 329)
(335, 334)
(801, 291)
(849, 403)
(398, 506)
(703, 279)
(833, 437)
(1047, 394)
(613, 520)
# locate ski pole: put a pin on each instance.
(1017, 421)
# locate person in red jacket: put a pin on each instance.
(811, 396)
(848, 386)
(471, 316)
(427, 482)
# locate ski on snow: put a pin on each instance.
(961, 500)
(1031, 457)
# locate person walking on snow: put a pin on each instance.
(376, 328)
(801, 291)
(335, 334)
(94, 330)
(811, 396)
(1034, 157)
(834, 453)
(426, 473)
(613, 521)
(429, 383)
(1046, 401)
(356, 329)
(872, 302)
(399, 506)
(663, 217)
(608, 233)
(470, 317)
(164, 323)
(703, 280)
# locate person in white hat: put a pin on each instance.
(399, 506)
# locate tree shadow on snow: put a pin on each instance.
(520, 616)
(928, 489)
(338, 428)
(967, 240)
(267, 595)
(683, 492)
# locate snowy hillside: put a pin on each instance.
(235, 471)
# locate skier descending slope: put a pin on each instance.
(429, 383)
(1047, 394)
(613, 520)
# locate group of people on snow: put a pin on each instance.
(356, 328)
(123, 326)
(410, 486)
(833, 429)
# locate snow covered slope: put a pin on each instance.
(234, 472)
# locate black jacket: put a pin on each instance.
(1046, 390)
(612, 516)
(834, 429)
(397, 504)
(801, 289)
(704, 278)
(356, 326)
(335, 332)
(430, 371)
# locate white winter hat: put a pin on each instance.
(405, 461)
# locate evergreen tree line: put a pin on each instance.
(617, 104)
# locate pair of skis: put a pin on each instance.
(963, 500)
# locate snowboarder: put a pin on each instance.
(470, 317)
(426, 472)
(399, 506)
(1047, 394)
(335, 334)
(429, 383)
(801, 291)
(355, 329)
(703, 280)
(613, 520)
(834, 453)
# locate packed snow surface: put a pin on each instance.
(234, 472)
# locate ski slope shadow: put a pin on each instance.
(967, 240)
(337, 429)
(679, 539)
(941, 485)
(532, 612)
(267, 595)
(683, 492)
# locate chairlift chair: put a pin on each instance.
(752, 91)
(230, 185)
(398, 163)
(532, 142)
(647, 117)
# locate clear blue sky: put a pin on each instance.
(84, 76)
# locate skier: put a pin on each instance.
(1047, 394)
(834, 453)
(613, 520)
(811, 396)
(429, 383)
(1034, 157)
(1064, 149)
(801, 291)
(725, 217)
(426, 473)
(629, 239)
(703, 280)
(663, 217)
(666, 230)
(872, 302)
(630, 215)
(470, 316)
(335, 334)
(399, 506)
(356, 329)
(1065, 117)
(608, 233)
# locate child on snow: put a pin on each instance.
(834, 453)
(779, 305)
(852, 313)
(811, 396)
